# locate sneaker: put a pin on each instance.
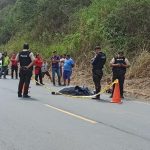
(26, 96)
(42, 83)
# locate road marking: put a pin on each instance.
(71, 114)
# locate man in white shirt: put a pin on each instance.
(44, 70)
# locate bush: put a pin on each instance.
(128, 27)
(141, 65)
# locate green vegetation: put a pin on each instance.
(76, 26)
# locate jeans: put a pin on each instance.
(57, 71)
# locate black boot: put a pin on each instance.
(26, 96)
(96, 97)
(19, 95)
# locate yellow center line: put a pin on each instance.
(71, 114)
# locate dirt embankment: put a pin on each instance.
(138, 88)
(137, 83)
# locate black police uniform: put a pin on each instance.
(97, 71)
(24, 74)
(119, 73)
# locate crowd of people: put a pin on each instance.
(27, 63)
(61, 66)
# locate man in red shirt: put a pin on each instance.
(14, 66)
(38, 65)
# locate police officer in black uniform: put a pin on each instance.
(119, 65)
(98, 62)
(26, 60)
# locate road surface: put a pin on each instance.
(55, 122)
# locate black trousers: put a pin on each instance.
(14, 68)
(39, 75)
(97, 76)
(25, 77)
(5, 70)
(121, 78)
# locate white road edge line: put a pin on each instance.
(71, 114)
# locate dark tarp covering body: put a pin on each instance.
(76, 91)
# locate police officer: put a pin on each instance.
(26, 60)
(119, 65)
(98, 62)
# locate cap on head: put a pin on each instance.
(26, 46)
(97, 47)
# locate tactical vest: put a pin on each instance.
(99, 61)
(24, 58)
(119, 70)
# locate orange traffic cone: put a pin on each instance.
(116, 94)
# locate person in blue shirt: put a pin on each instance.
(68, 65)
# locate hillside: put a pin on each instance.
(76, 26)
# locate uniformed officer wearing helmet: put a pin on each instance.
(26, 60)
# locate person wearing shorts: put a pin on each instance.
(68, 65)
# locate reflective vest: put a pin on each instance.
(6, 61)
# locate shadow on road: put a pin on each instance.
(29, 99)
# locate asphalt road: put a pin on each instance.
(55, 122)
